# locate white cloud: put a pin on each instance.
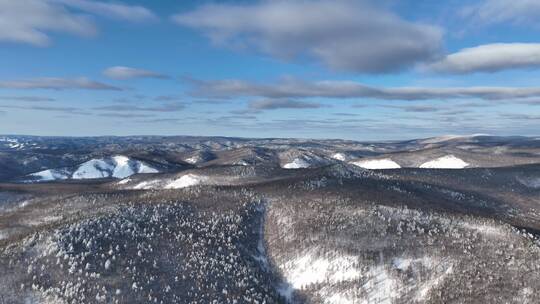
(28, 21)
(57, 84)
(62, 109)
(27, 98)
(31, 21)
(132, 13)
(169, 107)
(489, 58)
(292, 88)
(521, 12)
(121, 72)
(275, 104)
(342, 34)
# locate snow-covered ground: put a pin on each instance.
(381, 287)
(377, 164)
(382, 283)
(445, 162)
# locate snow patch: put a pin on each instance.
(192, 160)
(401, 263)
(381, 287)
(199, 157)
(485, 229)
(311, 269)
(445, 162)
(43, 220)
(377, 164)
(242, 163)
(297, 163)
(339, 156)
(124, 181)
(122, 167)
(187, 180)
(146, 185)
(404, 263)
(50, 174)
(146, 169)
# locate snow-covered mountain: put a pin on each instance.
(24, 155)
(117, 166)
(245, 227)
(298, 159)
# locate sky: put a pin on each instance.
(363, 70)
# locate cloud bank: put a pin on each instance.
(489, 12)
(170, 107)
(123, 73)
(30, 21)
(275, 104)
(489, 58)
(340, 34)
(27, 98)
(292, 88)
(57, 84)
(131, 13)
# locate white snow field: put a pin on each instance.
(310, 269)
(377, 164)
(445, 162)
(118, 166)
(381, 283)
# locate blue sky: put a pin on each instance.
(364, 70)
